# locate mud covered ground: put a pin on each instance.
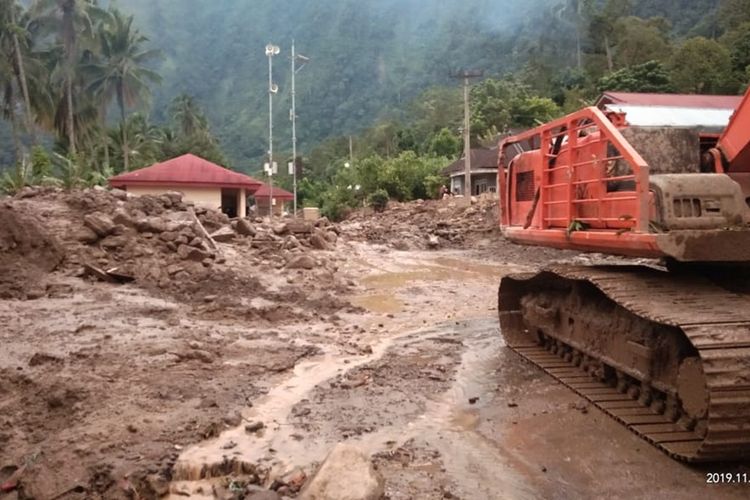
(144, 390)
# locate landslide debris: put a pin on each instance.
(27, 252)
(430, 224)
(168, 245)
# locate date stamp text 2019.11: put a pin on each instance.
(727, 478)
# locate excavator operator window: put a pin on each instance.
(525, 188)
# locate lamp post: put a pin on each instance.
(293, 116)
(271, 50)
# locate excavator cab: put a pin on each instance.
(647, 185)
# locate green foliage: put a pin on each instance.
(445, 143)
(16, 179)
(378, 200)
(41, 164)
(641, 40)
(704, 66)
(505, 104)
(651, 76)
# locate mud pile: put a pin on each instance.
(27, 252)
(167, 245)
(450, 223)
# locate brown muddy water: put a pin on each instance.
(495, 427)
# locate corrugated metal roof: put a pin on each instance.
(186, 170)
(278, 193)
(668, 116)
(480, 158)
(670, 100)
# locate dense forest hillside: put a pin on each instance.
(106, 92)
(367, 58)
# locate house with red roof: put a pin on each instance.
(200, 181)
(278, 200)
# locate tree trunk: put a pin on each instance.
(70, 121)
(22, 78)
(69, 43)
(608, 51)
(106, 150)
(125, 149)
(16, 138)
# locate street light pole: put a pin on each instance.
(466, 75)
(293, 117)
(271, 50)
(294, 128)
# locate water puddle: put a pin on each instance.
(379, 303)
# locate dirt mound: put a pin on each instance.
(27, 252)
(170, 246)
(451, 223)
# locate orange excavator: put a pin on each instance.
(660, 343)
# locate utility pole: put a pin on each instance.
(271, 50)
(466, 76)
(293, 116)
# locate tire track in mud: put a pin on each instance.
(415, 389)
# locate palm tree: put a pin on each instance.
(187, 116)
(12, 30)
(71, 19)
(119, 71)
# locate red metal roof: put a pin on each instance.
(278, 193)
(186, 170)
(671, 100)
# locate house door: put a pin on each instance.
(229, 201)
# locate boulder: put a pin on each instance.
(100, 223)
(169, 236)
(319, 240)
(114, 242)
(192, 253)
(346, 474)
(245, 228)
(86, 235)
(433, 241)
(302, 262)
(151, 225)
(281, 229)
(223, 235)
(174, 196)
(332, 237)
(123, 218)
(119, 194)
(299, 226)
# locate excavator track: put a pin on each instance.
(691, 398)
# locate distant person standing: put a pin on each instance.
(444, 193)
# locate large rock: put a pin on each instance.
(346, 474)
(122, 217)
(86, 235)
(223, 235)
(114, 242)
(302, 262)
(319, 240)
(297, 226)
(151, 225)
(192, 253)
(100, 223)
(245, 228)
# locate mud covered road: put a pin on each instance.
(446, 410)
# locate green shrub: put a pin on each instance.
(378, 200)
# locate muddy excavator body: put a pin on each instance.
(664, 350)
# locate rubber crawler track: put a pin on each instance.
(715, 321)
